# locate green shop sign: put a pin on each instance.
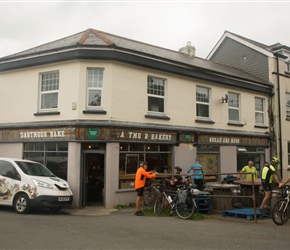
(187, 137)
(93, 132)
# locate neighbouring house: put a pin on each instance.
(272, 65)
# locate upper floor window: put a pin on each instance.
(287, 105)
(95, 87)
(259, 110)
(156, 94)
(202, 102)
(288, 65)
(234, 107)
(49, 90)
(288, 153)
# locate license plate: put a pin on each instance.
(63, 198)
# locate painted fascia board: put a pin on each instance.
(240, 40)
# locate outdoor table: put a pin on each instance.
(247, 190)
(222, 203)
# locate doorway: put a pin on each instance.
(93, 178)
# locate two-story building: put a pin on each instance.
(272, 65)
(91, 106)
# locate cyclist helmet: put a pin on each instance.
(275, 160)
(179, 169)
(143, 163)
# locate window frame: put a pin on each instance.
(203, 103)
(287, 109)
(53, 90)
(159, 97)
(99, 89)
(260, 112)
(231, 107)
(288, 65)
(288, 153)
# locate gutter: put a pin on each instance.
(278, 55)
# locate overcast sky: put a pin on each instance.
(168, 24)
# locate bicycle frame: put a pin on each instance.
(284, 206)
(184, 207)
(150, 193)
(281, 211)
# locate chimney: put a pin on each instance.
(188, 50)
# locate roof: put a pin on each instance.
(95, 39)
(269, 50)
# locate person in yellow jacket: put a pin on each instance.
(249, 169)
(140, 179)
(268, 174)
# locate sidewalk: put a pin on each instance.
(89, 211)
(100, 211)
(96, 211)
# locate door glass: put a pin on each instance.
(94, 172)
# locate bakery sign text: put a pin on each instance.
(224, 140)
(145, 136)
(42, 134)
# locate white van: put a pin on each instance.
(27, 184)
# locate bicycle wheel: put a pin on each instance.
(149, 196)
(185, 210)
(280, 213)
(159, 204)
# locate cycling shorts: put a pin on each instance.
(140, 191)
(267, 186)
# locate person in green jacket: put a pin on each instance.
(249, 169)
(268, 173)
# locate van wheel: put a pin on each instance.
(55, 209)
(22, 204)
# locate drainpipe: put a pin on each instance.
(278, 55)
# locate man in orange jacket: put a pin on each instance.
(140, 179)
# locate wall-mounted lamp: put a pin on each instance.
(225, 99)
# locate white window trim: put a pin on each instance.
(287, 106)
(157, 96)
(204, 103)
(42, 93)
(235, 108)
(260, 112)
(95, 88)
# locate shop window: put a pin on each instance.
(39, 146)
(151, 147)
(159, 158)
(51, 146)
(49, 84)
(202, 102)
(54, 155)
(165, 147)
(94, 146)
(95, 87)
(136, 147)
(156, 94)
(124, 147)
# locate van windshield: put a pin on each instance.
(34, 169)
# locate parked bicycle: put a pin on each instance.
(151, 192)
(182, 201)
(281, 209)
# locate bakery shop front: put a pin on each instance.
(100, 162)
